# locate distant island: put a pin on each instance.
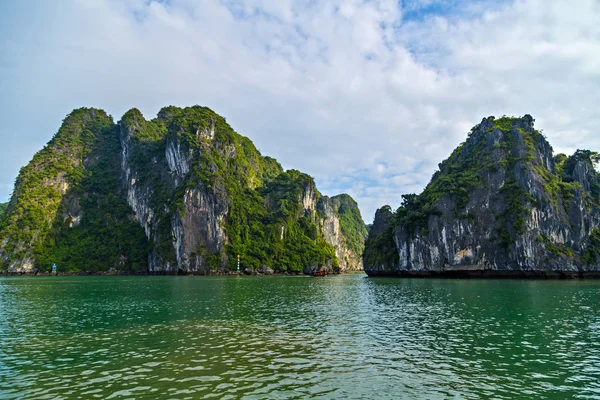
(182, 193)
(502, 205)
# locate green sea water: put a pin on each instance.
(343, 336)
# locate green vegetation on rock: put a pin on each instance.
(41, 184)
(351, 222)
(554, 248)
(464, 171)
(380, 248)
(180, 192)
(75, 173)
(107, 235)
(501, 200)
(258, 217)
(262, 199)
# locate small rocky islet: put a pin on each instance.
(183, 193)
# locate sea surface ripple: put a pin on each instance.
(343, 336)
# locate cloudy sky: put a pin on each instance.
(367, 96)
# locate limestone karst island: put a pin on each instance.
(503, 204)
(182, 193)
(287, 199)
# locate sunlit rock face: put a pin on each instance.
(194, 174)
(181, 193)
(343, 227)
(501, 204)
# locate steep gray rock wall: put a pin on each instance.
(190, 225)
(202, 229)
(139, 192)
(520, 217)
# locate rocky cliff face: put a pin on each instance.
(343, 227)
(182, 214)
(182, 193)
(502, 204)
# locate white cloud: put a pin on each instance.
(358, 94)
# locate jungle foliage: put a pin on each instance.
(76, 173)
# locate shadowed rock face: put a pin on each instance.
(500, 205)
(182, 193)
(380, 254)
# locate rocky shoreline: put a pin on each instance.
(455, 274)
(263, 271)
(145, 273)
(488, 274)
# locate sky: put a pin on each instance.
(366, 96)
